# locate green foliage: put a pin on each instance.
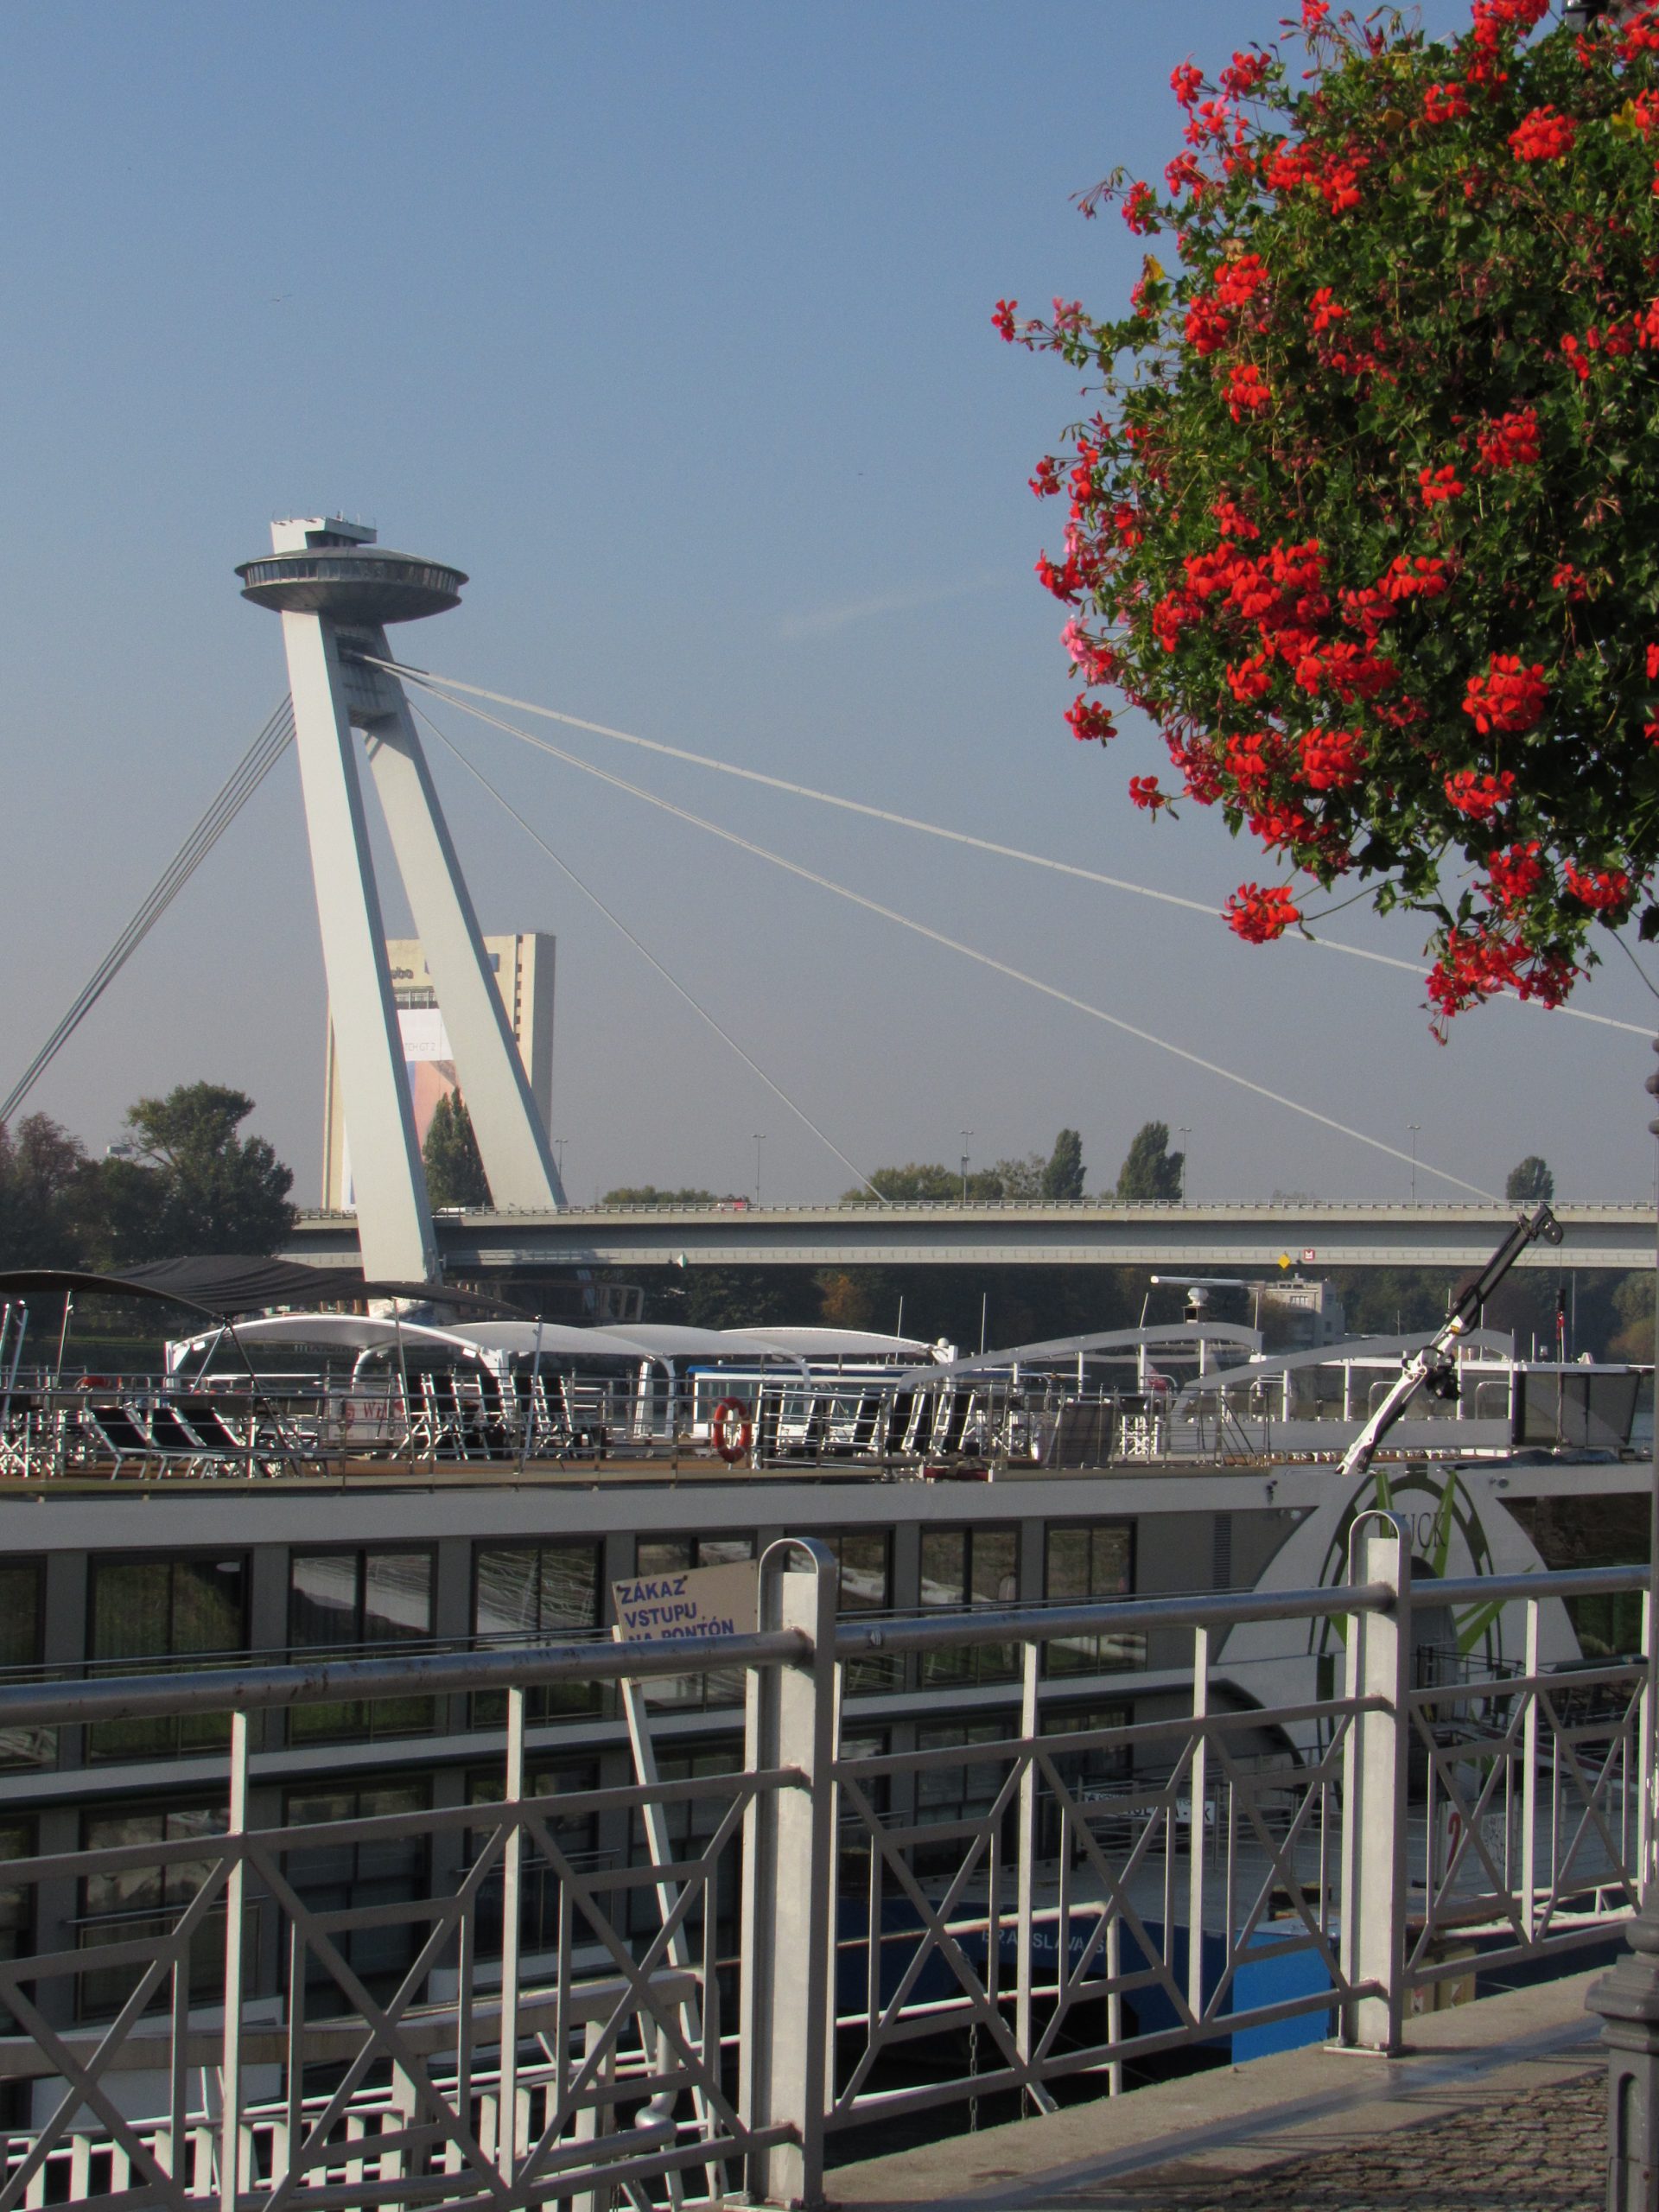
(185, 1183)
(1366, 517)
(50, 1210)
(1151, 1173)
(915, 1181)
(1530, 1183)
(738, 1298)
(1063, 1177)
(1057, 1174)
(454, 1169)
(1633, 1307)
(648, 1194)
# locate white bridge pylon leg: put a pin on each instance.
(506, 1120)
(335, 695)
(394, 1221)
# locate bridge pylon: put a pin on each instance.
(336, 589)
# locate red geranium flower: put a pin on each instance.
(1258, 916)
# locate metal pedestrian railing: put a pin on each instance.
(832, 1935)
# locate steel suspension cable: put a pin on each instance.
(923, 930)
(443, 686)
(226, 803)
(647, 954)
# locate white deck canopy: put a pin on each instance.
(325, 1332)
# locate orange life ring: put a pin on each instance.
(96, 1382)
(730, 1430)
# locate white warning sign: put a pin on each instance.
(703, 1601)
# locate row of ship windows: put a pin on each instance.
(176, 1607)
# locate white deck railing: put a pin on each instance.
(830, 1935)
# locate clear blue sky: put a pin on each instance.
(671, 323)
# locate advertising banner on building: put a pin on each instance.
(430, 1065)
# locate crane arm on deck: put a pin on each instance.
(1434, 1365)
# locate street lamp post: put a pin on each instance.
(1183, 1132)
(559, 1143)
(1628, 1998)
(1415, 1127)
(966, 1135)
(759, 1139)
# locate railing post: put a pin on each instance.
(1529, 1783)
(1031, 1657)
(229, 2078)
(512, 1876)
(788, 1932)
(1373, 1788)
(1198, 1784)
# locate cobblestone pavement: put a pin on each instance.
(1539, 2152)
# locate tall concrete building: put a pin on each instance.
(523, 969)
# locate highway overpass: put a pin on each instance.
(1182, 1239)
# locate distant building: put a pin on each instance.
(522, 966)
(1298, 1316)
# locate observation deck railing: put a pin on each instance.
(254, 1428)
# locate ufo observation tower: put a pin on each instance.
(336, 589)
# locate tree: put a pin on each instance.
(738, 1298)
(185, 1183)
(1366, 518)
(454, 1167)
(1530, 1183)
(1151, 1173)
(1064, 1175)
(647, 1194)
(913, 1181)
(50, 1210)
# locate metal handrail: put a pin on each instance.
(433, 1673)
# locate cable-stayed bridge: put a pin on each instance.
(353, 708)
(1180, 1238)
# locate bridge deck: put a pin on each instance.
(1313, 1237)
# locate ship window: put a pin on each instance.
(970, 1567)
(167, 1608)
(965, 1567)
(691, 1823)
(576, 1835)
(968, 1790)
(1086, 1564)
(675, 1555)
(20, 1615)
(522, 1591)
(141, 1904)
(359, 1597)
(530, 1590)
(344, 1600)
(864, 1569)
(22, 1744)
(164, 1611)
(678, 1554)
(355, 1878)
